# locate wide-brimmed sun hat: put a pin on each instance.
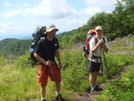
(51, 27)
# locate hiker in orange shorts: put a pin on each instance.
(45, 52)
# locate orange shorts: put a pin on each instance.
(44, 72)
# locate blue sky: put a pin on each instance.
(19, 18)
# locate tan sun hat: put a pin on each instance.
(51, 27)
(98, 28)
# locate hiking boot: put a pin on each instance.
(88, 90)
(43, 100)
(97, 88)
(93, 92)
(59, 98)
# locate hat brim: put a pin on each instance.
(98, 29)
(52, 29)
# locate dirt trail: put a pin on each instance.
(83, 97)
(86, 96)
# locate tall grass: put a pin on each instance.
(18, 84)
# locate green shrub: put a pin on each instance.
(74, 69)
(114, 63)
(25, 61)
(120, 89)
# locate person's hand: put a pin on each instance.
(60, 66)
(48, 63)
(101, 42)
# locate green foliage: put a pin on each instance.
(11, 48)
(19, 83)
(2, 61)
(119, 88)
(114, 63)
(70, 39)
(74, 69)
(71, 57)
(25, 61)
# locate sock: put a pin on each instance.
(92, 86)
(42, 98)
(57, 93)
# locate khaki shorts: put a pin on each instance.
(44, 72)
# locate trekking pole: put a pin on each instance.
(102, 68)
(55, 81)
(105, 63)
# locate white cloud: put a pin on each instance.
(100, 3)
(46, 8)
(10, 14)
(2, 31)
(52, 9)
(81, 17)
(7, 4)
(27, 16)
(13, 28)
(105, 5)
(74, 21)
(57, 9)
(90, 11)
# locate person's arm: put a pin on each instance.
(94, 49)
(47, 63)
(57, 54)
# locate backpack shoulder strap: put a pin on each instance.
(56, 40)
(42, 38)
(96, 39)
(104, 39)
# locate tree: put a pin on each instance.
(129, 10)
(124, 17)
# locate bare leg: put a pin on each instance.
(58, 87)
(93, 79)
(43, 91)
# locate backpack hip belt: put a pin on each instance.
(93, 57)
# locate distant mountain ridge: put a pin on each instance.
(14, 47)
(25, 38)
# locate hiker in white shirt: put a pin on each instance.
(98, 45)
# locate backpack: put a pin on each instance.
(86, 49)
(37, 35)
